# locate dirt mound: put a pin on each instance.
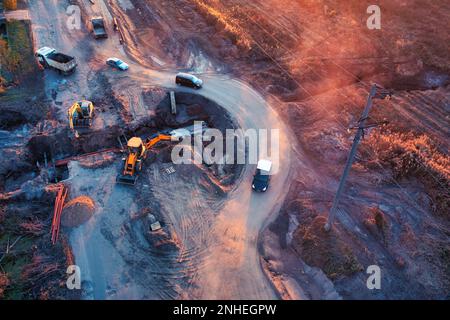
(77, 211)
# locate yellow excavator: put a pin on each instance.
(137, 153)
(81, 114)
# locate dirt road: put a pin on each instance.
(230, 268)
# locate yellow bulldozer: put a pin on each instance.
(81, 114)
(137, 152)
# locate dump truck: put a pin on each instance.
(51, 59)
(98, 28)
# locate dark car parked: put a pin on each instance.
(188, 80)
(261, 178)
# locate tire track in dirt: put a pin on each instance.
(251, 111)
(413, 108)
(187, 211)
(238, 223)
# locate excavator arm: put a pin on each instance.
(75, 109)
(150, 142)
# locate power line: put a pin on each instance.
(267, 32)
(290, 32)
(323, 107)
(358, 136)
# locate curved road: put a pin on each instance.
(231, 269)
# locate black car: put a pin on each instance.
(261, 178)
(188, 80)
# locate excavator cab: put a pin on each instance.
(86, 108)
(136, 146)
(81, 114)
(133, 162)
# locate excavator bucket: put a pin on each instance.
(126, 179)
(129, 175)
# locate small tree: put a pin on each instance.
(10, 4)
(4, 282)
(9, 61)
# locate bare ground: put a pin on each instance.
(313, 60)
(305, 48)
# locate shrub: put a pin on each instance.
(10, 4)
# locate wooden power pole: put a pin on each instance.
(348, 165)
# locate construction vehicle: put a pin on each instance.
(81, 114)
(98, 28)
(3, 31)
(137, 152)
(50, 58)
(261, 178)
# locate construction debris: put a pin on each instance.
(155, 226)
(59, 204)
(173, 103)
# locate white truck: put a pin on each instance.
(50, 58)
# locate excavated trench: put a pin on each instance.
(160, 251)
(11, 120)
(62, 144)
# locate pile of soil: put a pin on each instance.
(77, 211)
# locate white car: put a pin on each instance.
(261, 178)
(117, 63)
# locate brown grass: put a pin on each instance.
(4, 282)
(226, 21)
(377, 224)
(413, 155)
(408, 150)
(325, 250)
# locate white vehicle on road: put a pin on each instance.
(261, 178)
(117, 63)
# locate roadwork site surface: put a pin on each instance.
(197, 231)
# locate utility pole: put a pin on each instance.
(348, 165)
